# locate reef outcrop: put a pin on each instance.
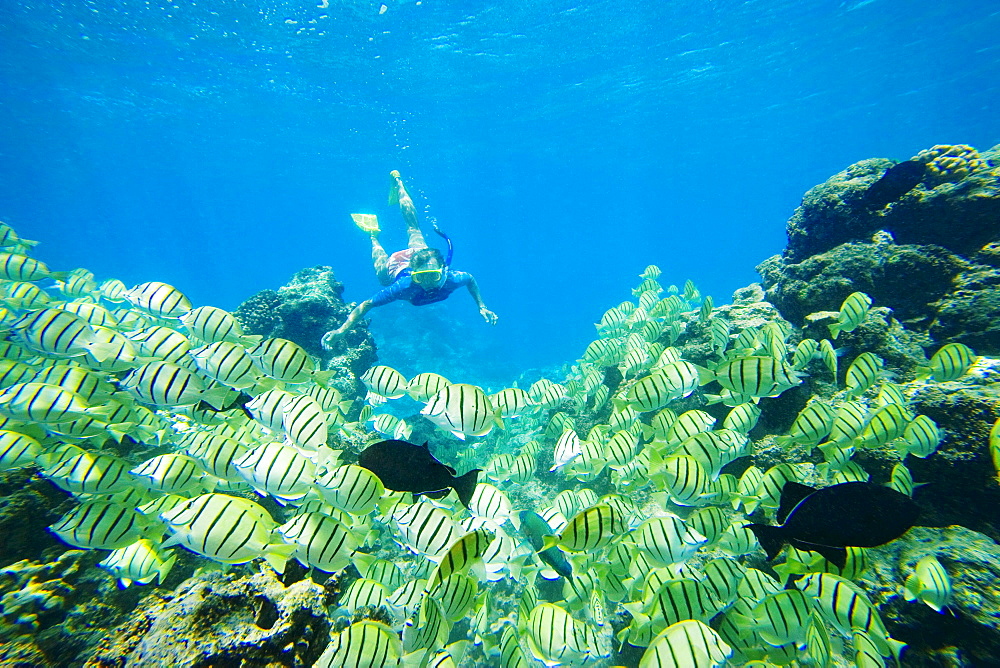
(303, 310)
(214, 620)
(931, 256)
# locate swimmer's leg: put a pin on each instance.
(416, 237)
(381, 261)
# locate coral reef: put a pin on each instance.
(960, 212)
(28, 504)
(304, 309)
(214, 620)
(969, 632)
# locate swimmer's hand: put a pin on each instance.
(488, 315)
(331, 338)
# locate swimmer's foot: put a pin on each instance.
(367, 222)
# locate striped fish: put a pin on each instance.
(320, 541)
(53, 332)
(843, 604)
(17, 450)
(682, 477)
(848, 423)
(18, 267)
(164, 385)
(951, 362)
(742, 418)
(819, 651)
(673, 601)
(267, 408)
(491, 505)
(212, 325)
(277, 469)
(90, 473)
(756, 376)
(90, 386)
(671, 381)
(94, 314)
(890, 393)
(161, 343)
(921, 437)
(862, 373)
(100, 525)
(363, 594)
(828, 354)
(685, 644)
(423, 386)
(522, 468)
(852, 313)
(41, 402)
(709, 522)
(217, 454)
(304, 422)
(811, 425)
(385, 381)
(456, 594)
(17, 295)
(112, 290)
(886, 424)
(620, 449)
(773, 481)
(13, 372)
(170, 474)
(737, 541)
(714, 449)
(364, 644)
(568, 448)
(805, 352)
(781, 618)
(667, 540)
(687, 425)
(78, 283)
(464, 410)
(111, 351)
(227, 529)
(513, 402)
(462, 554)
(425, 528)
(722, 578)
(554, 637)
(284, 360)
(140, 563)
(227, 363)
(9, 238)
(589, 530)
(351, 488)
(929, 583)
(158, 299)
(866, 651)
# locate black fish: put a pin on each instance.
(898, 180)
(406, 467)
(851, 514)
(241, 401)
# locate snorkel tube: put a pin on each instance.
(447, 239)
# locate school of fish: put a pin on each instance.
(92, 371)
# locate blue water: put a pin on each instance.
(219, 146)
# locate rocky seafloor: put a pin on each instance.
(930, 262)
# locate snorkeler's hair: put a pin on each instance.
(423, 257)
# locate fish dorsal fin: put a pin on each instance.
(791, 494)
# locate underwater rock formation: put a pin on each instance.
(967, 634)
(214, 620)
(957, 206)
(28, 504)
(930, 256)
(303, 310)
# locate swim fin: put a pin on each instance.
(367, 222)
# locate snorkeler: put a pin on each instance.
(418, 274)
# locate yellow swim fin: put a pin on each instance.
(397, 183)
(367, 222)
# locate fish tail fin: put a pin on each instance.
(834, 330)
(465, 485)
(770, 538)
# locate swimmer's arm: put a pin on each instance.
(359, 312)
(488, 315)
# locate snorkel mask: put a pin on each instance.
(427, 278)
